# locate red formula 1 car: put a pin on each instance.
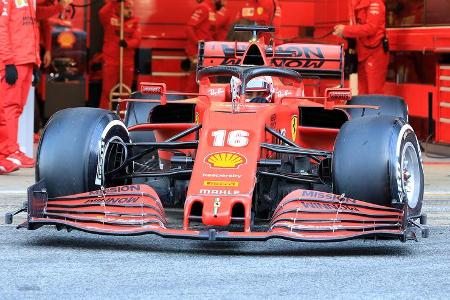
(251, 158)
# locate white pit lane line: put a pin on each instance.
(13, 192)
(444, 195)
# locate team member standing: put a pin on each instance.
(110, 19)
(369, 28)
(46, 9)
(200, 27)
(262, 12)
(222, 23)
(19, 54)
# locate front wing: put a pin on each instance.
(303, 215)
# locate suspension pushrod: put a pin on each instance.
(292, 150)
(165, 145)
(157, 174)
(145, 152)
(297, 178)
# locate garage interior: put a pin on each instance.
(417, 31)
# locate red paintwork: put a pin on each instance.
(252, 119)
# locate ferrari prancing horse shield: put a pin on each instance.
(294, 126)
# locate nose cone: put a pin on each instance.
(218, 210)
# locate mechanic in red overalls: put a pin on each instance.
(200, 27)
(262, 12)
(19, 54)
(110, 18)
(46, 9)
(222, 24)
(368, 26)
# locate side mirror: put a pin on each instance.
(338, 94)
(151, 88)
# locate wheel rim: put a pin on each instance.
(115, 155)
(410, 174)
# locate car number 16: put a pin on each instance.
(235, 138)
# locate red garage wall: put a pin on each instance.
(164, 24)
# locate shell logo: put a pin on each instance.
(66, 39)
(225, 160)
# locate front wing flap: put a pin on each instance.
(303, 215)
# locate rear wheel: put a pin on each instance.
(76, 150)
(378, 160)
(388, 106)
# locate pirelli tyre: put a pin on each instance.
(388, 106)
(75, 152)
(378, 160)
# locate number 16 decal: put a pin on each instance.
(235, 138)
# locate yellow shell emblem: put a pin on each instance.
(66, 39)
(226, 160)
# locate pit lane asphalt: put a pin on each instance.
(50, 264)
(47, 264)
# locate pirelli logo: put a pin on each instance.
(221, 183)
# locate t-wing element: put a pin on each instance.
(255, 29)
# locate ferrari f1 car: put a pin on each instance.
(224, 164)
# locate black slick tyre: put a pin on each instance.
(388, 106)
(75, 150)
(378, 160)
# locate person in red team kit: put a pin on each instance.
(110, 18)
(19, 55)
(262, 12)
(200, 27)
(222, 23)
(46, 9)
(369, 28)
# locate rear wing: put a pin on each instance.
(310, 60)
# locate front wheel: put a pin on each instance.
(378, 160)
(78, 148)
